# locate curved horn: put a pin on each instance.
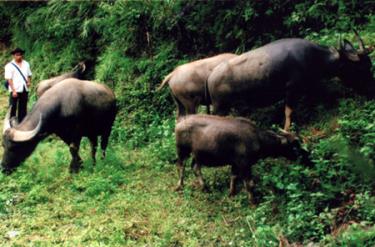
(360, 41)
(83, 66)
(289, 135)
(22, 136)
(284, 131)
(7, 125)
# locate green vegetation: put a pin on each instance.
(128, 198)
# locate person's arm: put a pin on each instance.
(14, 92)
(8, 76)
(29, 77)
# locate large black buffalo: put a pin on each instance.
(287, 69)
(71, 109)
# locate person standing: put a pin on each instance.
(18, 75)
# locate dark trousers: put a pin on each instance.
(19, 104)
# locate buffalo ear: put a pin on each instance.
(370, 49)
(13, 122)
(283, 140)
(348, 47)
(349, 51)
(352, 57)
(288, 136)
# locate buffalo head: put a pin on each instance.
(291, 148)
(356, 68)
(17, 144)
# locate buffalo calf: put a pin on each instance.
(218, 141)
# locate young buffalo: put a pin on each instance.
(218, 141)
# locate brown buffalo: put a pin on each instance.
(187, 83)
(218, 141)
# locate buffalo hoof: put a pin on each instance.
(199, 186)
(205, 189)
(252, 201)
(178, 188)
(252, 204)
(75, 167)
(232, 191)
(196, 185)
(74, 170)
(7, 172)
(232, 194)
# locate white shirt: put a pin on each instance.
(12, 73)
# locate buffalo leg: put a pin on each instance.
(191, 107)
(220, 109)
(232, 185)
(208, 109)
(94, 144)
(198, 174)
(288, 120)
(248, 184)
(180, 107)
(104, 144)
(233, 180)
(180, 171)
(180, 112)
(182, 155)
(76, 162)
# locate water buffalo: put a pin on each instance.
(218, 141)
(71, 109)
(77, 73)
(187, 83)
(286, 69)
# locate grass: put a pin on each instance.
(128, 199)
(121, 201)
